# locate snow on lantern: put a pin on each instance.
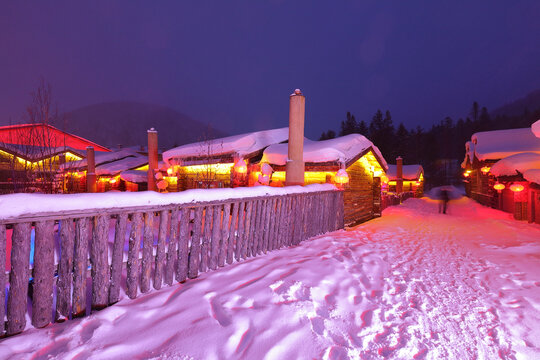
(499, 187)
(341, 177)
(516, 187)
(485, 169)
(240, 167)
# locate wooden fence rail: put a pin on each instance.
(187, 239)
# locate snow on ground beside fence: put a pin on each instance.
(15, 205)
(412, 284)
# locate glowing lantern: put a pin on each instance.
(112, 181)
(499, 186)
(240, 166)
(516, 187)
(485, 170)
(162, 184)
(341, 177)
(466, 173)
(170, 171)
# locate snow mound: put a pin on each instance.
(532, 175)
(514, 164)
(536, 128)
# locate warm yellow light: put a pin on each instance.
(341, 177)
(112, 181)
(516, 187)
(240, 167)
(220, 169)
(499, 186)
(142, 168)
(170, 171)
(171, 179)
(485, 169)
(466, 173)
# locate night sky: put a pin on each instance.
(234, 63)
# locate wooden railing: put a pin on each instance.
(188, 239)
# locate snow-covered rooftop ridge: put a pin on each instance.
(532, 175)
(17, 205)
(135, 176)
(498, 144)
(535, 128)
(514, 164)
(341, 149)
(102, 158)
(239, 145)
(410, 172)
(116, 167)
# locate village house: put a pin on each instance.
(412, 177)
(32, 154)
(224, 162)
(351, 162)
(501, 171)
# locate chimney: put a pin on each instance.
(399, 175)
(294, 169)
(91, 170)
(152, 158)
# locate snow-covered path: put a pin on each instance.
(412, 284)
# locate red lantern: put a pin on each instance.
(240, 166)
(499, 186)
(485, 170)
(516, 187)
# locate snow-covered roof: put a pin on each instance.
(135, 176)
(516, 164)
(35, 153)
(410, 172)
(532, 175)
(498, 144)
(103, 157)
(116, 167)
(238, 145)
(535, 128)
(341, 149)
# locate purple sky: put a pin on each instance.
(234, 63)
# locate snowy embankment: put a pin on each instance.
(412, 284)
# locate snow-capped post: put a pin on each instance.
(294, 169)
(91, 170)
(152, 158)
(399, 175)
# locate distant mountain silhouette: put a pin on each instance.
(125, 123)
(529, 103)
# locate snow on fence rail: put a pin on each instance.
(191, 239)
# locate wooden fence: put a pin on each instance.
(187, 239)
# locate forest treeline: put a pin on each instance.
(445, 140)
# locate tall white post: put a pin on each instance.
(294, 169)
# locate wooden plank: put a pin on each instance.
(117, 257)
(42, 301)
(133, 255)
(148, 251)
(99, 258)
(250, 209)
(257, 231)
(18, 278)
(274, 219)
(280, 222)
(301, 218)
(83, 232)
(172, 251)
(65, 270)
(3, 242)
(287, 221)
(195, 251)
(310, 216)
(226, 249)
(239, 237)
(206, 238)
(269, 214)
(183, 244)
(160, 251)
(215, 243)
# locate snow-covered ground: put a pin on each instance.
(412, 284)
